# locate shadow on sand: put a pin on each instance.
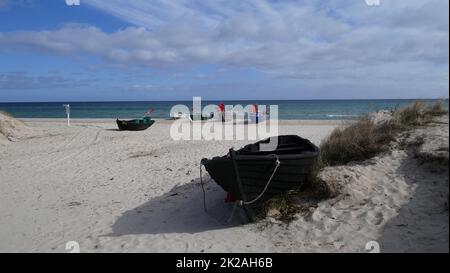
(422, 224)
(180, 211)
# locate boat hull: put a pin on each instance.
(200, 117)
(246, 173)
(257, 118)
(133, 125)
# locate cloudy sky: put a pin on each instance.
(104, 50)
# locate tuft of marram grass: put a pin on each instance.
(356, 142)
(5, 113)
(411, 116)
(418, 114)
(437, 109)
(365, 139)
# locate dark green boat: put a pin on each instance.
(201, 117)
(135, 124)
(253, 175)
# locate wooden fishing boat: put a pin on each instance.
(256, 117)
(135, 124)
(201, 117)
(253, 175)
(178, 115)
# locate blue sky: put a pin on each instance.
(223, 49)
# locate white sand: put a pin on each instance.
(117, 191)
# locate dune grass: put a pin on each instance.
(9, 126)
(365, 139)
(5, 113)
(358, 141)
(4, 132)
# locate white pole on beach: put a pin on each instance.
(67, 106)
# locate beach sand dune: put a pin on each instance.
(114, 191)
(12, 129)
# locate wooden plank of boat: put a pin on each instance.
(245, 173)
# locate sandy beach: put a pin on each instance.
(91, 162)
(114, 191)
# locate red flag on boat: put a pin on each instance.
(255, 108)
(149, 111)
(221, 107)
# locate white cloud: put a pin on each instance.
(332, 40)
(22, 3)
(20, 80)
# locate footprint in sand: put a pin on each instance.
(374, 218)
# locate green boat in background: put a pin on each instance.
(135, 124)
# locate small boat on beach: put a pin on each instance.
(255, 118)
(135, 124)
(253, 175)
(201, 117)
(178, 115)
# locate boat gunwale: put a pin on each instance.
(303, 155)
(268, 157)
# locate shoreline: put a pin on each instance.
(165, 121)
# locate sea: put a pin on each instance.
(287, 109)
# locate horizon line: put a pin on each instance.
(256, 100)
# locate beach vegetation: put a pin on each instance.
(4, 113)
(358, 141)
(365, 138)
(355, 142)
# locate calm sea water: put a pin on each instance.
(294, 109)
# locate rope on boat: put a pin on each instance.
(232, 213)
(203, 188)
(204, 197)
(277, 164)
(241, 202)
